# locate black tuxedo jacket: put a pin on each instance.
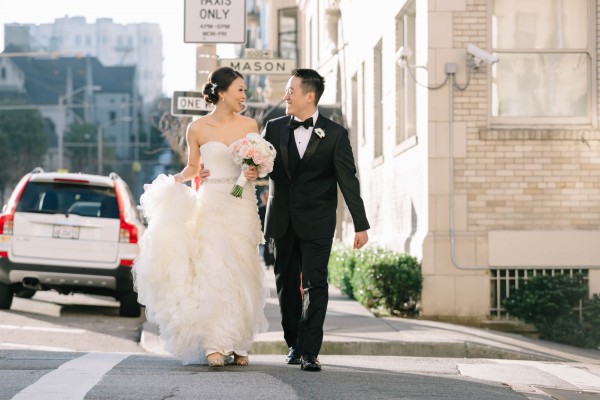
(308, 199)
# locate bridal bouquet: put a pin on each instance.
(252, 150)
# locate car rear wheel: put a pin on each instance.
(6, 296)
(129, 305)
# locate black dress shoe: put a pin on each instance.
(310, 363)
(293, 357)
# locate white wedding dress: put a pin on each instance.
(198, 270)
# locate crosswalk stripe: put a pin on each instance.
(574, 375)
(73, 379)
(42, 329)
(21, 346)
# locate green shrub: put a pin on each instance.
(548, 302)
(377, 278)
(341, 268)
(591, 320)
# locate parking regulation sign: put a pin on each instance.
(214, 21)
(184, 104)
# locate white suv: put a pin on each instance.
(70, 232)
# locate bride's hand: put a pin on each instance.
(251, 173)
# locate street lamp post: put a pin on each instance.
(62, 117)
(101, 139)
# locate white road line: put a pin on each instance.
(73, 379)
(21, 346)
(43, 329)
(523, 375)
(576, 376)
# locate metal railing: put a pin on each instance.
(505, 281)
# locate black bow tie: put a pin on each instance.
(307, 123)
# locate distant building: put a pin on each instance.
(122, 45)
(91, 93)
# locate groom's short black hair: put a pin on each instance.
(311, 82)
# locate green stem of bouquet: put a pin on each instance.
(237, 191)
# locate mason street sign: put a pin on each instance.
(260, 66)
(214, 21)
(184, 104)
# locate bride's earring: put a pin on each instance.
(222, 98)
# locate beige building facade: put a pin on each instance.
(475, 128)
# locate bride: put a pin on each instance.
(198, 271)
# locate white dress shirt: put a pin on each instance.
(302, 134)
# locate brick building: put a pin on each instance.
(487, 172)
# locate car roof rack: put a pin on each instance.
(37, 170)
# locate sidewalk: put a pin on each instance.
(350, 329)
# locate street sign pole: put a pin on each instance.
(206, 62)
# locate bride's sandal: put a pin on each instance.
(215, 360)
(240, 360)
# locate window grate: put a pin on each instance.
(505, 281)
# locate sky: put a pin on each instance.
(178, 57)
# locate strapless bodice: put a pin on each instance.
(216, 157)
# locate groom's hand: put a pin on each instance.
(360, 239)
(203, 174)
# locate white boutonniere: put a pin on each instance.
(320, 133)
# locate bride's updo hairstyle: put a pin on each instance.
(219, 81)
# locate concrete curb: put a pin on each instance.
(406, 349)
(150, 342)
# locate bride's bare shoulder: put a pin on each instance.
(199, 127)
(249, 124)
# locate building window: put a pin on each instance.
(287, 41)
(406, 91)
(545, 73)
(3, 73)
(377, 101)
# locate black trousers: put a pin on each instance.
(301, 279)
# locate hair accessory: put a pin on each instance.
(214, 86)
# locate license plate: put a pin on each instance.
(65, 232)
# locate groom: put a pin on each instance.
(313, 157)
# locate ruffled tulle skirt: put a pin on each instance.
(198, 270)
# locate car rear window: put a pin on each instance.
(69, 198)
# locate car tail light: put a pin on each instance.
(6, 219)
(6, 224)
(126, 262)
(128, 232)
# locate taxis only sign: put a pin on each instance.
(215, 21)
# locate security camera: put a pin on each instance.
(403, 54)
(480, 55)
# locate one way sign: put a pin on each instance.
(184, 104)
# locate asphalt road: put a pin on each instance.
(39, 375)
(76, 347)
